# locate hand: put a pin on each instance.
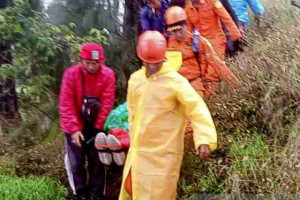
(232, 80)
(204, 151)
(244, 42)
(228, 76)
(76, 138)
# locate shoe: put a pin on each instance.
(116, 148)
(101, 145)
(122, 136)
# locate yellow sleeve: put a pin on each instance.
(195, 107)
(130, 106)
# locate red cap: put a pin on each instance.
(91, 51)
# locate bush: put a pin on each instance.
(14, 188)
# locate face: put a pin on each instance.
(156, 4)
(152, 68)
(92, 66)
(179, 34)
(196, 3)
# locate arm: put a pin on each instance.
(69, 117)
(192, 15)
(130, 107)
(230, 11)
(107, 101)
(256, 6)
(145, 21)
(225, 17)
(202, 123)
(219, 66)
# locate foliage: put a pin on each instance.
(120, 21)
(28, 188)
(42, 51)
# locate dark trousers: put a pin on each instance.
(75, 159)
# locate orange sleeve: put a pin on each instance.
(216, 66)
(192, 16)
(226, 18)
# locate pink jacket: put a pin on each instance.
(101, 84)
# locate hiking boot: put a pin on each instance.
(101, 145)
(115, 146)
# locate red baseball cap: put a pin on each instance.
(92, 51)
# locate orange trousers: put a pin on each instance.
(128, 184)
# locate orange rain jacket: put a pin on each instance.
(205, 77)
(208, 20)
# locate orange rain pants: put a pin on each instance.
(128, 184)
(208, 19)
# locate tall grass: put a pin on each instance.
(258, 123)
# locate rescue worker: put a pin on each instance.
(201, 65)
(206, 15)
(240, 7)
(152, 15)
(159, 100)
(87, 96)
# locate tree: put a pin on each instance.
(8, 97)
(119, 18)
(42, 52)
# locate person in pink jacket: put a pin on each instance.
(86, 98)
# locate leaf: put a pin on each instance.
(18, 29)
(2, 19)
(72, 25)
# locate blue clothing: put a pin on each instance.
(240, 8)
(154, 20)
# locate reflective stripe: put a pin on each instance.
(105, 174)
(69, 172)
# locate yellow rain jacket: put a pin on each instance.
(158, 106)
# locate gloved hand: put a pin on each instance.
(225, 74)
(244, 42)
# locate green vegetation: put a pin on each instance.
(15, 188)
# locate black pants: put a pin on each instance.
(75, 159)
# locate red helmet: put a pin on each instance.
(174, 15)
(91, 51)
(152, 46)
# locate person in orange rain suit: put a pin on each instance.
(204, 68)
(206, 15)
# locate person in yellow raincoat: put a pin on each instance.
(159, 100)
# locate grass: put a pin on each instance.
(29, 188)
(258, 123)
